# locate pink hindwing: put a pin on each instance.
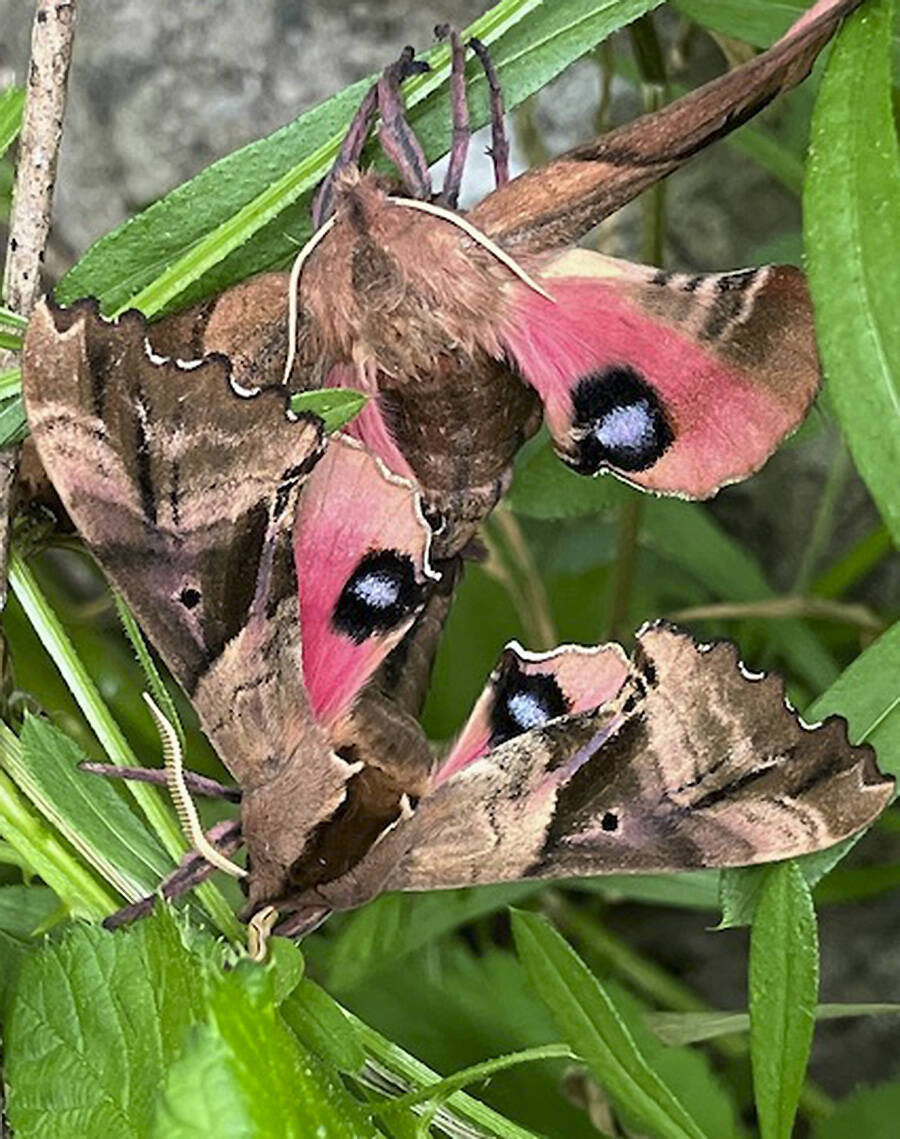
(527, 690)
(678, 384)
(361, 553)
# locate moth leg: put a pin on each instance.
(499, 150)
(397, 137)
(193, 780)
(350, 153)
(355, 139)
(459, 109)
(192, 870)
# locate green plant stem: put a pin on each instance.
(657, 985)
(56, 641)
(404, 1069)
(483, 1071)
(868, 553)
(39, 848)
(622, 573)
(785, 608)
(823, 521)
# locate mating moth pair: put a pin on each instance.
(296, 585)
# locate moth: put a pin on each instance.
(296, 585)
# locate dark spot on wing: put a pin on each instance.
(523, 701)
(619, 421)
(189, 597)
(380, 594)
(610, 822)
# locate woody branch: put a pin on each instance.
(48, 69)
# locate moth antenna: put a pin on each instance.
(259, 930)
(294, 293)
(181, 796)
(477, 236)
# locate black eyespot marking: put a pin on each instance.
(618, 420)
(189, 597)
(523, 701)
(610, 822)
(380, 594)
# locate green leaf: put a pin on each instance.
(870, 1113)
(7, 316)
(247, 212)
(468, 1007)
(695, 1027)
(57, 643)
(759, 24)
(395, 925)
(10, 341)
(784, 984)
(94, 1023)
(12, 100)
(688, 534)
(13, 424)
(687, 889)
(244, 1075)
(334, 406)
(10, 383)
(39, 848)
(24, 909)
(544, 487)
(87, 810)
(589, 1022)
(852, 234)
(322, 1026)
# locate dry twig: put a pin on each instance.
(48, 69)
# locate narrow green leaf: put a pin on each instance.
(442, 1089)
(88, 811)
(784, 984)
(334, 406)
(852, 234)
(589, 1022)
(158, 690)
(406, 1069)
(40, 848)
(94, 1023)
(694, 1027)
(13, 425)
(10, 341)
(687, 889)
(247, 212)
(12, 101)
(10, 383)
(13, 319)
(759, 24)
(322, 1026)
(57, 643)
(244, 1074)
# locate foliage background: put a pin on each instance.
(569, 558)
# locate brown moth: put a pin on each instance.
(297, 591)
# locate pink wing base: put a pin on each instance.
(586, 677)
(369, 427)
(729, 394)
(352, 511)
